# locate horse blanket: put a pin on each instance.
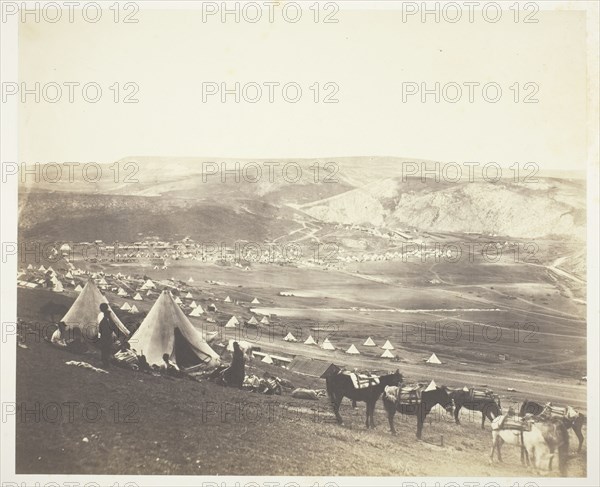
(514, 423)
(407, 395)
(477, 395)
(566, 412)
(360, 381)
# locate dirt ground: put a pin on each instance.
(73, 420)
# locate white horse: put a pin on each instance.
(538, 441)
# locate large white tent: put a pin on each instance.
(85, 310)
(166, 329)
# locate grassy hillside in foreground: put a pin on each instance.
(156, 425)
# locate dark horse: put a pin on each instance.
(489, 406)
(572, 419)
(420, 409)
(340, 385)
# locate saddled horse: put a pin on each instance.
(539, 440)
(483, 401)
(342, 385)
(414, 402)
(572, 418)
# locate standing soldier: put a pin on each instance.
(106, 328)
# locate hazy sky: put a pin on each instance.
(367, 54)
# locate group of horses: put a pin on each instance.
(539, 434)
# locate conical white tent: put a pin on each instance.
(227, 300)
(121, 292)
(167, 330)
(267, 359)
(42, 268)
(30, 267)
(369, 342)
(233, 321)
(290, 338)
(68, 275)
(189, 295)
(265, 320)
(253, 321)
(178, 300)
(433, 359)
(431, 387)
(255, 301)
(102, 282)
(85, 311)
(58, 287)
(387, 354)
(327, 345)
(310, 341)
(78, 288)
(197, 311)
(193, 304)
(353, 350)
(134, 309)
(137, 297)
(387, 345)
(191, 279)
(125, 307)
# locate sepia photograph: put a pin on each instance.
(325, 243)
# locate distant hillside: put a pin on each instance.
(549, 207)
(172, 197)
(81, 217)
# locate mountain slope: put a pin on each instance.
(551, 207)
